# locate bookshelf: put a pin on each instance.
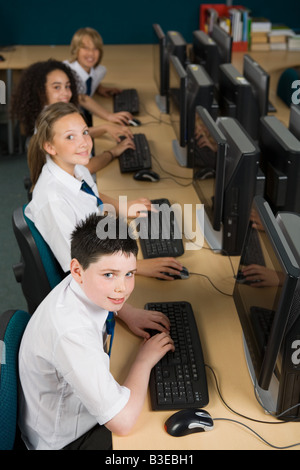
(235, 20)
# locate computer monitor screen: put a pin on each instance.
(260, 82)
(200, 92)
(236, 98)
(177, 98)
(224, 43)
(264, 292)
(160, 66)
(294, 123)
(280, 162)
(177, 46)
(205, 53)
(210, 149)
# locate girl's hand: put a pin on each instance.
(120, 118)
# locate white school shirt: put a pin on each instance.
(66, 385)
(97, 74)
(58, 204)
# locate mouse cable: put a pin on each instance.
(217, 250)
(215, 287)
(157, 120)
(248, 417)
(258, 435)
(171, 174)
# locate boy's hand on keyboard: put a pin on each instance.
(155, 267)
(155, 348)
(139, 320)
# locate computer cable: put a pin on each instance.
(171, 175)
(249, 418)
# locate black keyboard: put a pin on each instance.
(253, 254)
(160, 234)
(262, 319)
(127, 100)
(138, 158)
(179, 380)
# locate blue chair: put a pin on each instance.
(12, 326)
(38, 271)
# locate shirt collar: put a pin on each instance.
(74, 184)
(91, 307)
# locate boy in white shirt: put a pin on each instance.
(69, 399)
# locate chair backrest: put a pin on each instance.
(12, 326)
(39, 272)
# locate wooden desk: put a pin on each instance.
(215, 313)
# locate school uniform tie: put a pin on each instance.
(89, 86)
(110, 329)
(87, 189)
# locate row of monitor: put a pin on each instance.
(237, 151)
(254, 144)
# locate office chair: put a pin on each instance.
(12, 326)
(38, 271)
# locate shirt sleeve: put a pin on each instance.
(80, 359)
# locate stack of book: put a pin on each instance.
(293, 42)
(259, 36)
(278, 36)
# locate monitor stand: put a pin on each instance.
(267, 398)
(161, 102)
(214, 238)
(180, 153)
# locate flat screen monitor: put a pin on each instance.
(205, 53)
(236, 98)
(267, 303)
(177, 99)
(189, 88)
(161, 67)
(239, 188)
(259, 80)
(294, 122)
(280, 162)
(224, 43)
(210, 150)
(177, 46)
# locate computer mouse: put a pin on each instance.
(189, 421)
(134, 122)
(204, 173)
(146, 175)
(183, 274)
(1, 58)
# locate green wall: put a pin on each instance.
(119, 22)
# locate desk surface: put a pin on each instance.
(215, 313)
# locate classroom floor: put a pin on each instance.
(13, 169)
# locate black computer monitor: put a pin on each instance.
(260, 83)
(224, 43)
(210, 151)
(294, 122)
(236, 98)
(240, 182)
(280, 162)
(269, 309)
(177, 99)
(161, 67)
(189, 88)
(205, 53)
(176, 45)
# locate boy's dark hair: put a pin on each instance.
(88, 241)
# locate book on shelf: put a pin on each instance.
(260, 47)
(260, 25)
(259, 38)
(293, 42)
(278, 46)
(278, 30)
